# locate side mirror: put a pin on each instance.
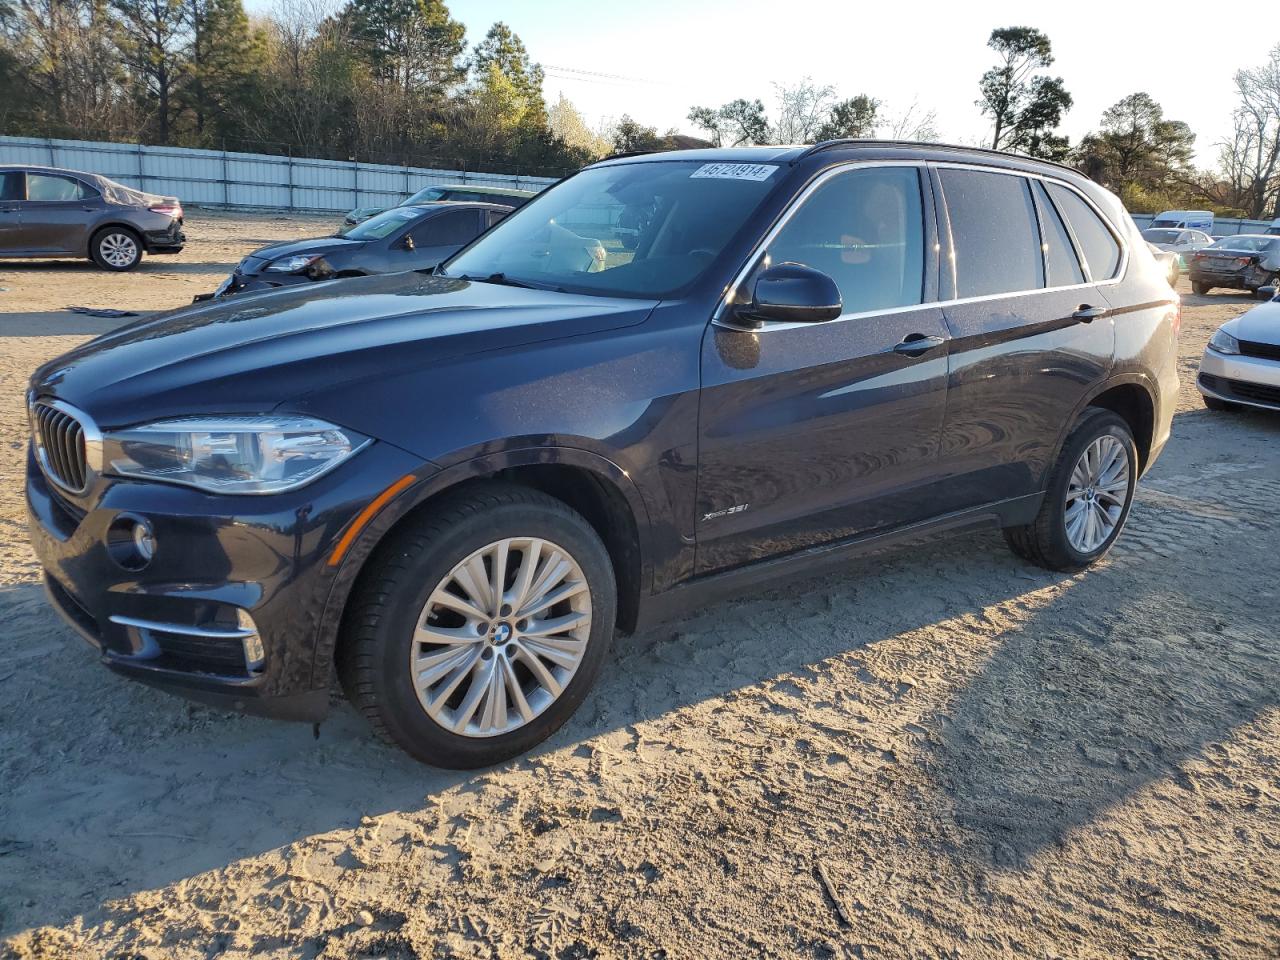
(792, 293)
(408, 243)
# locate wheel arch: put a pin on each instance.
(1132, 398)
(598, 489)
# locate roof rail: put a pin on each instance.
(857, 141)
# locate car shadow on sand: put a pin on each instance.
(115, 788)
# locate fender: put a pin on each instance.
(434, 480)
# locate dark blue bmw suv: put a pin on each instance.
(668, 377)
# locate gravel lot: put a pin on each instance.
(941, 752)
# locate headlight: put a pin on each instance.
(231, 454)
(292, 264)
(1223, 342)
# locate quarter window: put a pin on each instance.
(1100, 248)
(865, 230)
(1061, 265)
(49, 189)
(993, 233)
(10, 186)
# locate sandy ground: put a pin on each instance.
(938, 753)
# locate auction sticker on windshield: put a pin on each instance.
(735, 171)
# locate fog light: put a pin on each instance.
(131, 542)
(254, 655)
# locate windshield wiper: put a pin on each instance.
(506, 281)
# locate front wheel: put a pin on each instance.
(1088, 497)
(1200, 289)
(116, 248)
(480, 627)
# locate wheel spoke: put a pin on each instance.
(442, 693)
(539, 671)
(453, 635)
(519, 591)
(498, 573)
(474, 581)
(432, 667)
(443, 598)
(517, 695)
(480, 680)
(563, 653)
(547, 600)
(494, 714)
(547, 628)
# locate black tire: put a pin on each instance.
(1200, 289)
(1271, 281)
(1222, 406)
(106, 245)
(1044, 541)
(378, 627)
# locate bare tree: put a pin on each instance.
(913, 123)
(1250, 160)
(802, 110)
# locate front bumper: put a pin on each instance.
(178, 623)
(1251, 381)
(255, 283)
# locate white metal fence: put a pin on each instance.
(1222, 226)
(217, 178)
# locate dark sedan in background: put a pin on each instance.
(402, 238)
(502, 196)
(1247, 262)
(50, 212)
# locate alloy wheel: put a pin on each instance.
(118, 249)
(501, 636)
(1097, 494)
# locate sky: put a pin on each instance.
(655, 59)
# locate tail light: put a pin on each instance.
(168, 209)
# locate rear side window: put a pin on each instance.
(46, 188)
(993, 231)
(1101, 250)
(1061, 266)
(448, 229)
(865, 230)
(10, 186)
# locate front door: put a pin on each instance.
(56, 214)
(810, 433)
(11, 190)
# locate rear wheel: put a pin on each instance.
(1088, 498)
(1199, 288)
(480, 627)
(1222, 406)
(116, 248)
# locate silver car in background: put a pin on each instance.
(1241, 364)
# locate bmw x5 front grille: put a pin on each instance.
(62, 437)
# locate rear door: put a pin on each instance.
(57, 213)
(811, 433)
(1030, 327)
(11, 192)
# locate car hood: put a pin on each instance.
(1259, 325)
(255, 353)
(293, 248)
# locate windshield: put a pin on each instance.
(427, 195)
(1161, 236)
(1243, 244)
(643, 229)
(384, 224)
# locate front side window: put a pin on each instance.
(648, 229)
(45, 188)
(994, 235)
(1100, 248)
(864, 229)
(450, 229)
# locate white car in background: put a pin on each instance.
(1179, 242)
(1241, 364)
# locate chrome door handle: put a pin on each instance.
(916, 344)
(1087, 314)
